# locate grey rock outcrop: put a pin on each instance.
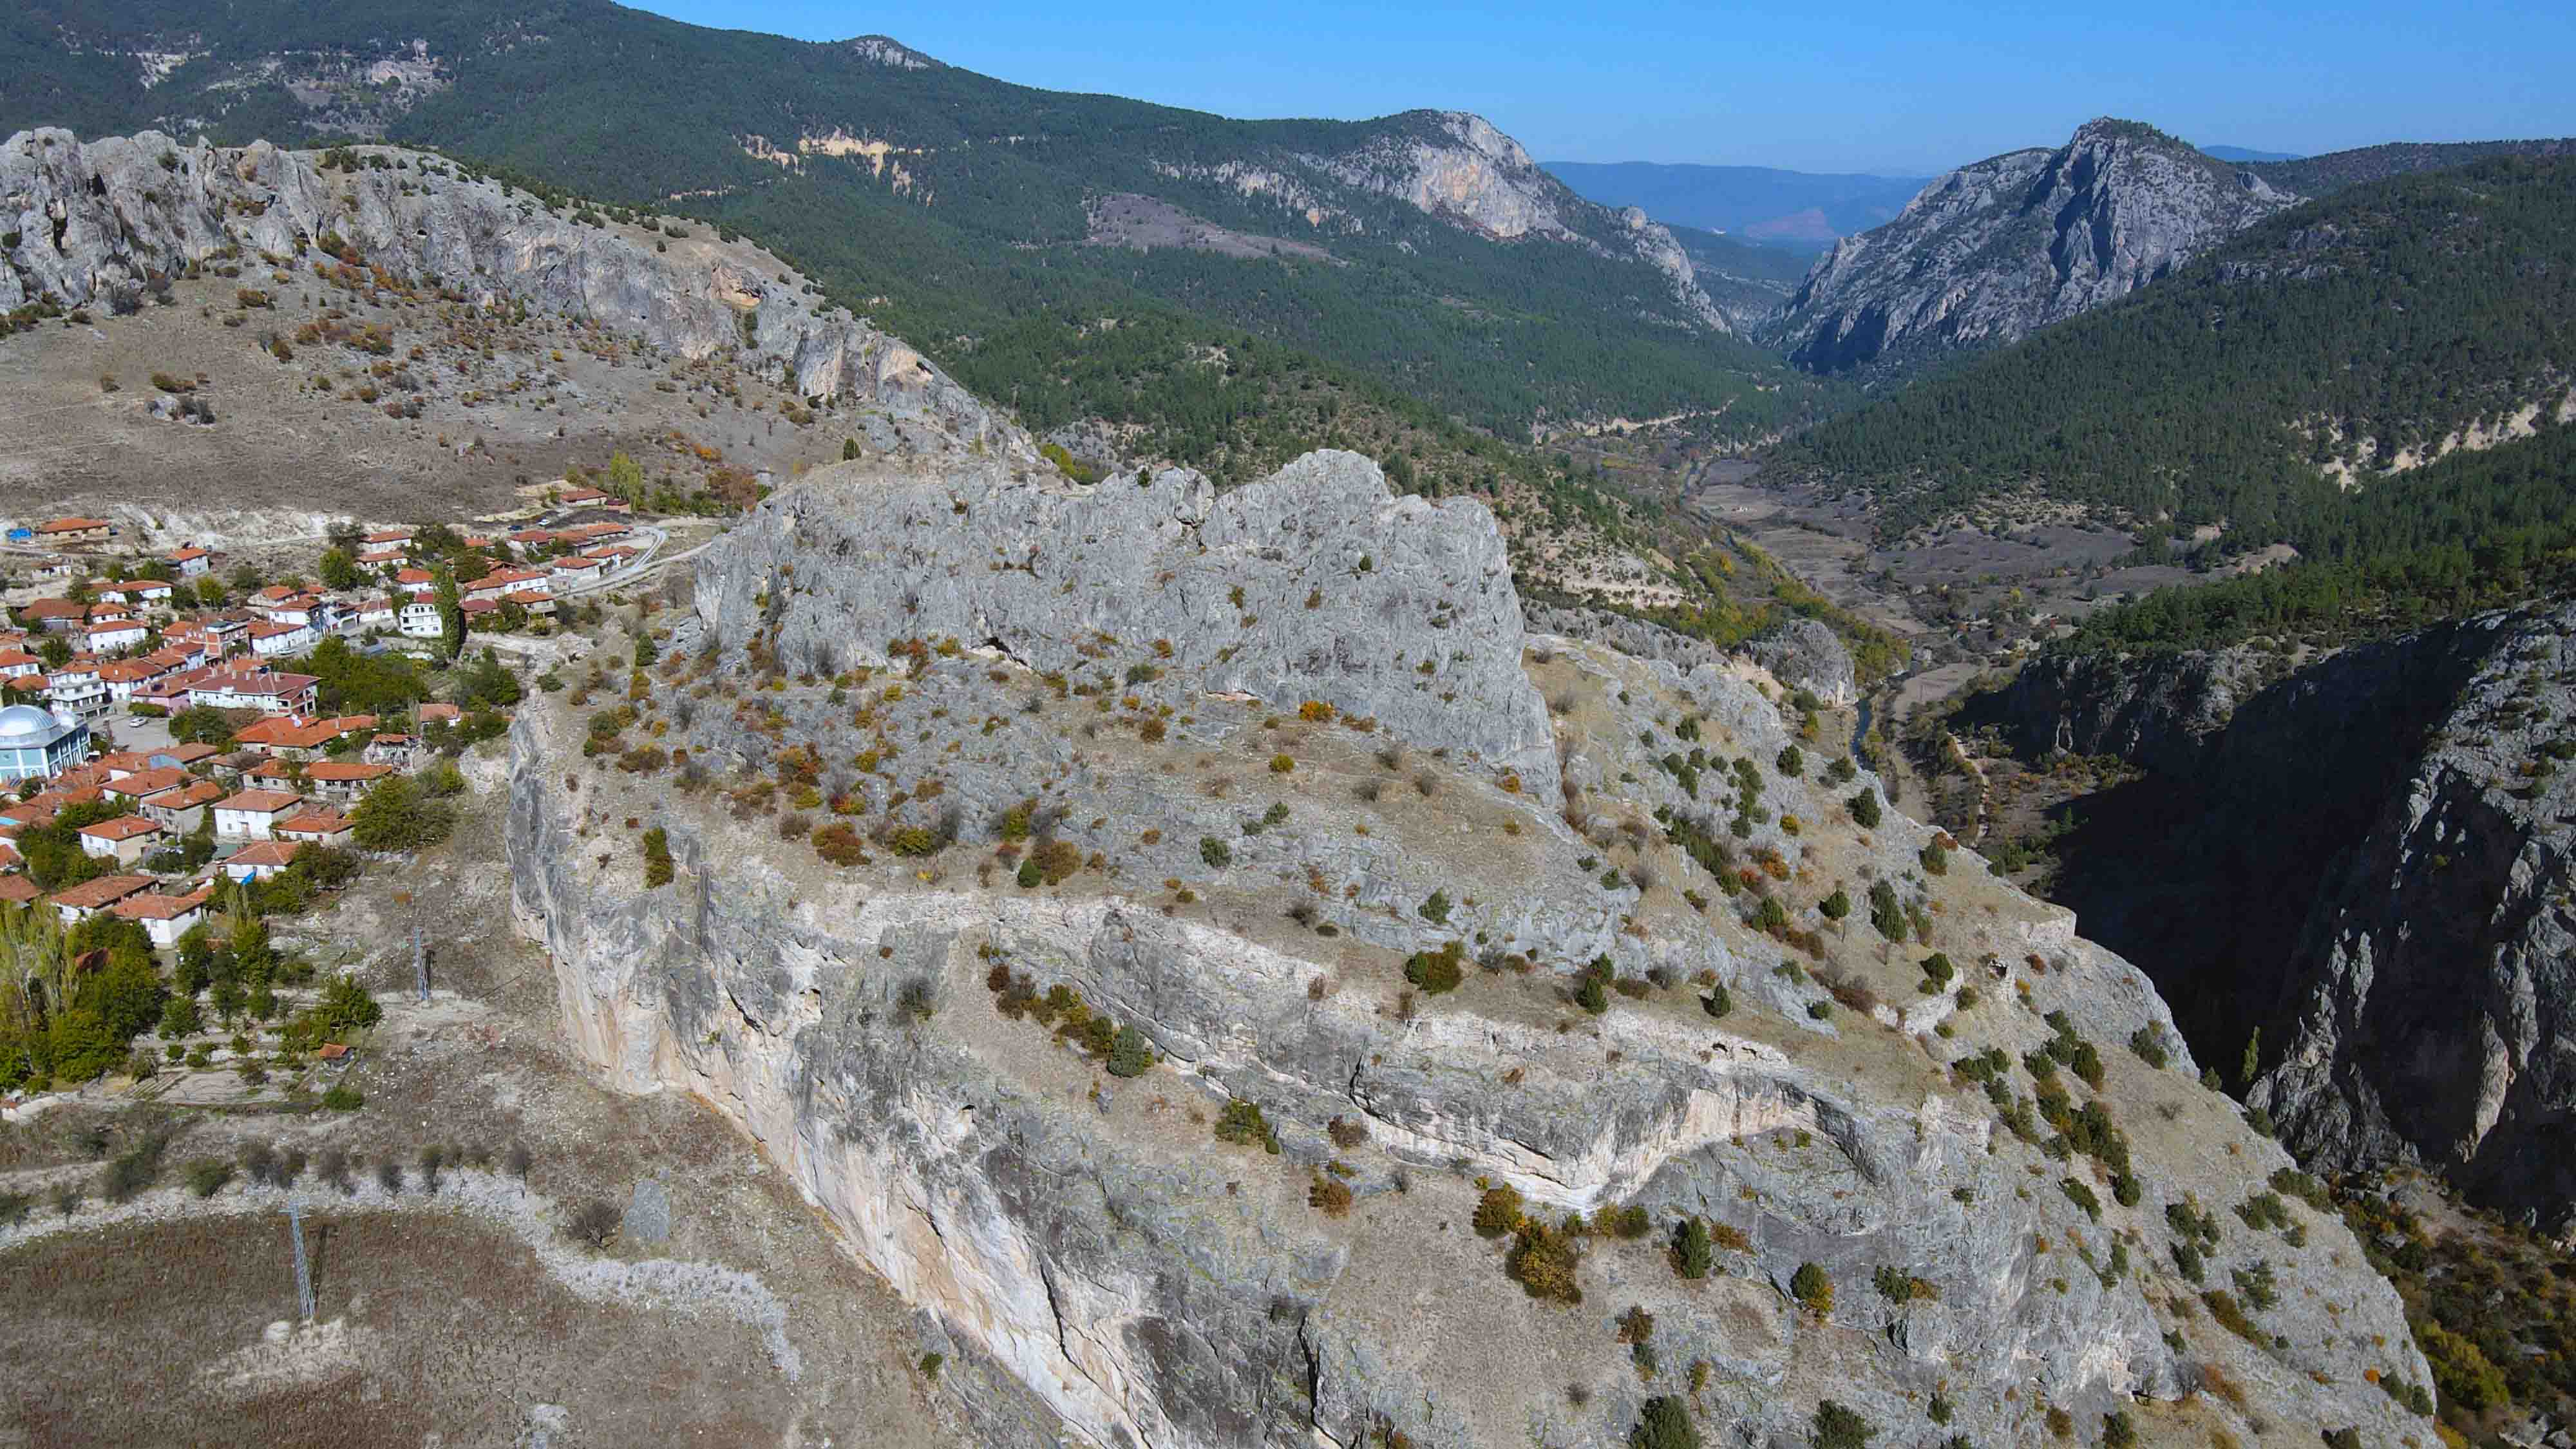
(2364, 859)
(96, 223)
(1464, 170)
(1804, 654)
(2437, 970)
(2161, 712)
(1085, 1236)
(1636, 638)
(1990, 252)
(1316, 583)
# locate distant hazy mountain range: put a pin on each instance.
(1800, 209)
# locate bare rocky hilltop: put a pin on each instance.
(1207, 953)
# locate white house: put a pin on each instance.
(166, 918)
(125, 840)
(77, 690)
(260, 860)
(264, 690)
(419, 618)
(190, 562)
(252, 814)
(142, 593)
(109, 635)
(277, 640)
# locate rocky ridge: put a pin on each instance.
(2367, 859)
(1084, 1236)
(1462, 169)
(1993, 251)
(95, 224)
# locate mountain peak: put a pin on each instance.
(1994, 250)
(887, 51)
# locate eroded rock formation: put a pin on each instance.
(1084, 1234)
(96, 224)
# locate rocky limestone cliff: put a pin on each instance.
(1462, 169)
(1085, 1236)
(1991, 252)
(93, 224)
(2367, 859)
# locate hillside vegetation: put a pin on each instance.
(2381, 320)
(948, 207)
(2475, 530)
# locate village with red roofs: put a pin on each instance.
(193, 741)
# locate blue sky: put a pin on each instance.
(1866, 85)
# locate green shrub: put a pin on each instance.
(1543, 1262)
(1498, 1211)
(658, 869)
(1898, 1286)
(1864, 808)
(1437, 971)
(1791, 763)
(341, 1097)
(2149, 1046)
(1663, 1423)
(1436, 908)
(2231, 1316)
(2082, 1196)
(1838, 1427)
(207, 1175)
(1242, 1123)
(1215, 852)
(1717, 1003)
(1813, 1287)
(1692, 1255)
(1591, 996)
(1129, 1053)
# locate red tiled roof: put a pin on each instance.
(313, 822)
(151, 907)
(187, 797)
(265, 852)
(260, 802)
(89, 895)
(123, 827)
(148, 782)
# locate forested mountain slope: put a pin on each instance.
(2332, 172)
(957, 209)
(2364, 334)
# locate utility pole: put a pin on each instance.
(303, 1272)
(419, 962)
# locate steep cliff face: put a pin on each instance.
(1087, 1235)
(1990, 252)
(93, 224)
(2437, 970)
(1463, 170)
(2368, 860)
